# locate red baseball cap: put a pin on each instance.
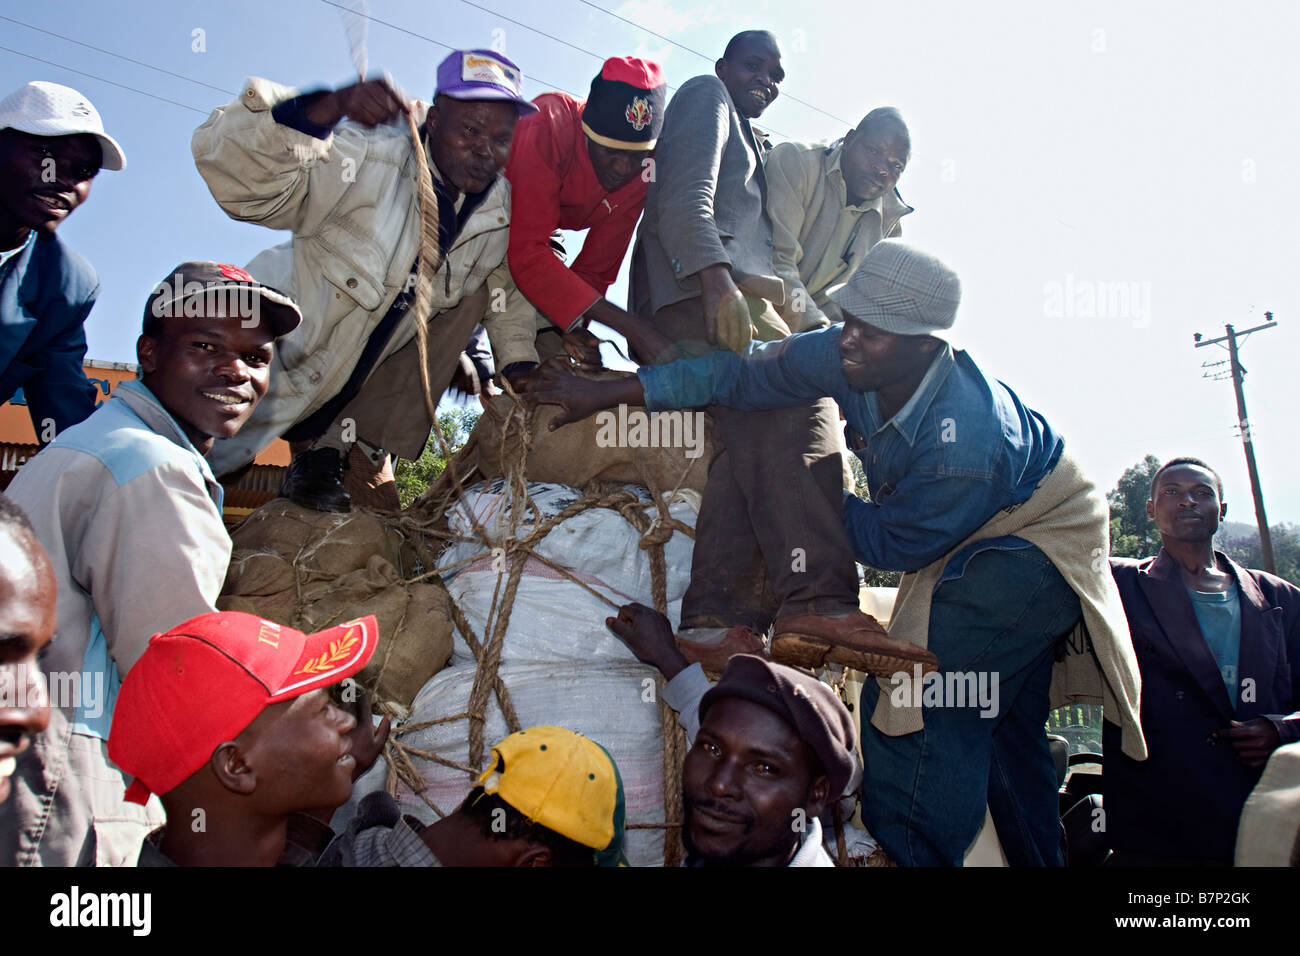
(203, 682)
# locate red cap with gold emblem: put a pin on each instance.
(625, 109)
(203, 682)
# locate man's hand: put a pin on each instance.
(465, 381)
(726, 314)
(582, 346)
(650, 637)
(367, 739)
(648, 345)
(1255, 740)
(369, 103)
(554, 383)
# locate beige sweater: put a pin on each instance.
(1068, 520)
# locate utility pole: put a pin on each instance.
(1238, 373)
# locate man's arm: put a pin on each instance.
(789, 194)
(557, 291)
(649, 635)
(786, 373)
(152, 554)
(61, 394)
(260, 170)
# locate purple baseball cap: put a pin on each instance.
(482, 75)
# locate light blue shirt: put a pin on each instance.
(1219, 615)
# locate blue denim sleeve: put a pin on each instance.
(293, 113)
(787, 373)
(921, 520)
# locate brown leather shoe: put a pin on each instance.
(713, 657)
(857, 641)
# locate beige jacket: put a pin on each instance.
(818, 239)
(1068, 520)
(350, 201)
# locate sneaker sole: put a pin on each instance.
(803, 650)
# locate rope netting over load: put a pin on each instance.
(509, 427)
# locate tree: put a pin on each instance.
(1132, 533)
(1245, 550)
(415, 477)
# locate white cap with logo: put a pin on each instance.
(48, 109)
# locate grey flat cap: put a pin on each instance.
(902, 289)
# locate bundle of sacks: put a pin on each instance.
(560, 664)
(311, 570)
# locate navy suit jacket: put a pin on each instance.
(1186, 799)
(46, 293)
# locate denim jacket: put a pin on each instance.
(963, 447)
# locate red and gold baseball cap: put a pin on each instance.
(203, 682)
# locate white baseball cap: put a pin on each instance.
(48, 109)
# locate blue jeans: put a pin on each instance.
(924, 794)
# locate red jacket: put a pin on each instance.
(553, 186)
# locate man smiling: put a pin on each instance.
(973, 495)
(52, 143)
(130, 514)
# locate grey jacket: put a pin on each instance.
(706, 203)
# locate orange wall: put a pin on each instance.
(16, 425)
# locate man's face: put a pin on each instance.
(873, 158)
(27, 591)
(750, 786)
(752, 75)
(873, 359)
(301, 753)
(208, 371)
(1186, 504)
(470, 140)
(44, 178)
(615, 168)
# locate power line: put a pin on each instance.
(525, 26)
(91, 46)
(101, 79)
(703, 56)
(420, 36)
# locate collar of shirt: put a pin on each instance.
(811, 852)
(836, 175)
(9, 255)
(907, 420)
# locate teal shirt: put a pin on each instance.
(1219, 615)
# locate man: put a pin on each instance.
(829, 205)
(576, 165)
(771, 747)
(130, 514)
(769, 544)
(228, 719)
(973, 496)
(551, 797)
(27, 591)
(347, 191)
(1219, 650)
(52, 143)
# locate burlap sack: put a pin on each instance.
(320, 544)
(598, 448)
(311, 570)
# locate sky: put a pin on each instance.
(1107, 178)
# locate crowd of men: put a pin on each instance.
(768, 285)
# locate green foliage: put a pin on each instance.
(1245, 550)
(414, 477)
(1132, 533)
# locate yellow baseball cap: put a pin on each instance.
(565, 782)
